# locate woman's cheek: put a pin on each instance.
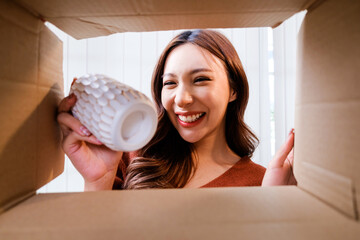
(165, 101)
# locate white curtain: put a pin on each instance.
(285, 46)
(131, 57)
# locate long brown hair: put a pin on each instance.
(166, 161)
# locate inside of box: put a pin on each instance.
(327, 108)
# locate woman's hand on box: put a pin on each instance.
(280, 169)
(94, 161)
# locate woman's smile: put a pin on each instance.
(190, 119)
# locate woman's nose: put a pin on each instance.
(183, 97)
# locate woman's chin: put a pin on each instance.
(190, 138)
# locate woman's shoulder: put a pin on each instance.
(246, 162)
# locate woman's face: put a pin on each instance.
(195, 93)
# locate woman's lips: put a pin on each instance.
(190, 120)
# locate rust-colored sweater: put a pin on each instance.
(244, 173)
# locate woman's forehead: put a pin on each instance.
(188, 57)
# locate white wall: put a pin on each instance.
(131, 57)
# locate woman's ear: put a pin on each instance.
(232, 95)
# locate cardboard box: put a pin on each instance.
(324, 205)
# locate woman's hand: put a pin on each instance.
(280, 169)
(94, 161)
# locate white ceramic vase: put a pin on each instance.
(120, 117)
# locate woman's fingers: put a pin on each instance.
(79, 153)
(74, 80)
(67, 103)
(280, 170)
(290, 157)
(285, 152)
(71, 142)
(68, 122)
(73, 130)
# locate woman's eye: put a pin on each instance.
(202, 79)
(168, 83)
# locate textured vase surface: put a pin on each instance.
(119, 116)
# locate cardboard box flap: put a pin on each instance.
(327, 160)
(90, 18)
(218, 213)
(341, 191)
(30, 89)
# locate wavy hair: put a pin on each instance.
(167, 160)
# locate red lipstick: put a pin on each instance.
(190, 124)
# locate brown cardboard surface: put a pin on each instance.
(29, 93)
(327, 130)
(50, 90)
(89, 18)
(219, 213)
(328, 105)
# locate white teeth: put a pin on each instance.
(190, 118)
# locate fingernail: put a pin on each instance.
(85, 131)
(71, 96)
(74, 80)
(291, 131)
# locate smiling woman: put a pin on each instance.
(130, 58)
(201, 93)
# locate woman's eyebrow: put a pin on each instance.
(197, 70)
(200, 70)
(168, 74)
